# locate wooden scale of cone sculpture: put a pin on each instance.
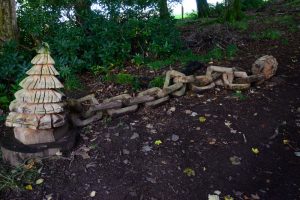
(38, 114)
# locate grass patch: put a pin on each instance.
(293, 3)
(239, 25)
(239, 95)
(231, 51)
(185, 57)
(283, 20)
(270, 34)
(158, 64)
(123, 79)
(18, 178)
(157, 82)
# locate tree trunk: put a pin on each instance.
(233, 10)
(202, 8)
(8, 20)
(163, 9)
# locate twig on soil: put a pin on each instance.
(245, 139)
(275, 134)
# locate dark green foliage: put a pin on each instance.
(82, 39)
(234, 11)
(13, 66)
(123, 78)
(158, 64)
(138, 60)
(252, 4)
(239, 95)
(270, 34)
(18, 177)
(239, 25)
(231, 51)
(157, 82)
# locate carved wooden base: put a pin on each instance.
(15, 152)
(30, 136)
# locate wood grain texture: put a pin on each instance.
(42, 70)
(30, 136)
(41, 82)
(35, 121)
(40, 109)
(39, 96)
(42, 59)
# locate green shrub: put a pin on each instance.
(97, 42)
(231, 51)
(270, 34)
(158, 64)
(253, 4)
(157, 82)
(188, 56)
(138, 60)
(239, 25)
(234, 11)
(18, 177)
(123, 78)
(216, 53)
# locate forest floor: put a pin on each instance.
(118, 159)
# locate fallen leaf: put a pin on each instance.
(227, 123)
(217, 192)
(28, 187)
(189, 172)
(29, 165)
(235, 160)
(126, 151)
(255, 196)
(93, 194)
(39, 181)
(233, 131)
(151, 180)
(194, 114)
(158, 142)
(255, 150)
(49, 196)
(188, 112)
(212, 140)
(150, 126)
(134, 136)
(213, 197)
(146, 148)
(228, 197)
(285, 141)
(174, 138)
(202, 119)
(297, 153)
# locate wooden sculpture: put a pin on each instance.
(38, 113)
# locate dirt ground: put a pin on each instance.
(118, 158)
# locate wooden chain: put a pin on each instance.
(176, 84)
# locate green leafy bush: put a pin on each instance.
(87, 40)
(231, 50)
(157, 82)
(239, 25)
(18, 177)
(138, 60)
(123, 78)
(270, 34)
(253, 4)
(216, 53)
(158, 64)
